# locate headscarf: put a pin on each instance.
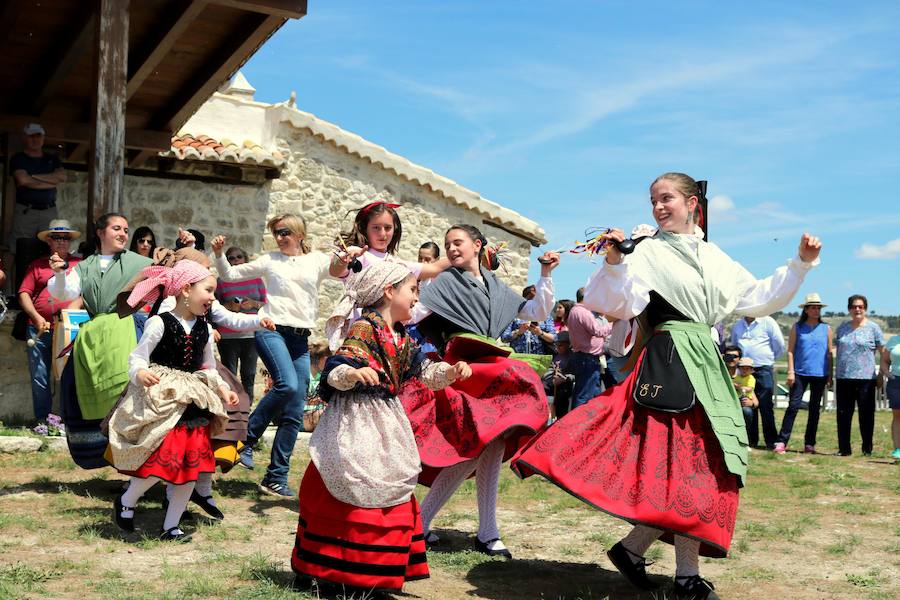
(362, 289)
(166, 281)
(162, 257)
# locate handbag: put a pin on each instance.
(662, 382)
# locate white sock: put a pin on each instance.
(137, 487)
(496, 545)
(204, 486)
(687, 557)
(177, 503)
(443, 486)
(639, 539)
(487, 477)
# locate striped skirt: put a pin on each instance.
(359, 548)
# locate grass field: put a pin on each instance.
(809, 526)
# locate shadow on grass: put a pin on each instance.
(96, 487)
(549, 580)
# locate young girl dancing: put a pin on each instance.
(174, 401)
(376, 232)
(360, 525)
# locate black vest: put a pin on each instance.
(180, 350)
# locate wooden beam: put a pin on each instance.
(286, 9)
(140, 157)
(239, 45)
(141, 66)
(107, 161)
(50, 78)
(82, 133)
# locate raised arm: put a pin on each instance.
(761, 297)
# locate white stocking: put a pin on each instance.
(487, 477)
(204, 486)
(137, 487)
(639, 540)
(177, 503)
(687, 557)
(443, 486)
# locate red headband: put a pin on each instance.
(372, 205)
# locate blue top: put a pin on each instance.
(893, 346)
(811, 350)
(761, 340)
(856, 350)
(527, 343)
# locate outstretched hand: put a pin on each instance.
(217, 244)
(549, 261)
(810, 246)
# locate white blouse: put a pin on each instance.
(153, 333)
(292, 284)
(65, 286)
(219, 315)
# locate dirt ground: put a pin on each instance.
(809, 527)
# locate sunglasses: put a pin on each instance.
(282, 232)
(60, 238)
(236, 257)
(857, 306)
(147, 241)
(731, 357)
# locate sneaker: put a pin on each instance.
(694, 588)
(635, 572)
(807, 449)
(245, 457)
(779, 448)
(896, 453)
(275, 488)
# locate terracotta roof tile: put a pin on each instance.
(202, 147)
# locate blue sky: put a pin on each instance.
(566, 111)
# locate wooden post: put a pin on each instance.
(107, 158)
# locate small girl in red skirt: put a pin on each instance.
(360, 525)
(174, 402)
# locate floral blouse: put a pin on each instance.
(856, 350)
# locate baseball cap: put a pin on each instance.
(33, 128)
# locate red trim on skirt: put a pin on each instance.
(182, 456)
(364, 548)
(503, 397)
(664, 470)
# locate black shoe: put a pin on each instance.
(185, 516)
(694, 588)
(174, 535)
(483, 548)
(124, 523)
(635, 572)
(204, 502)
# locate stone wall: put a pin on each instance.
(320, 182)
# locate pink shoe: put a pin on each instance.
(807, 449)
(779, 448)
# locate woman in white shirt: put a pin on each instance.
(292, 275)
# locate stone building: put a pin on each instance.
(237, 162)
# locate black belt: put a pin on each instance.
(299, 331)
(35, 207)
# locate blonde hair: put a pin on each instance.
(295, 223)
(686, 185)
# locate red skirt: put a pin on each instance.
(664, 470)
(182, 456)
(503, 397)
(365, 548)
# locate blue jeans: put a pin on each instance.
(586, 368)
(749, 416)
(39, 361)
(286, 356)
(816, 389)
(765, 388)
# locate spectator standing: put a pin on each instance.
(238, 348)
(587, 336)
(858, 341)
(529, 337)
(143, 241)
(559, 380)
(760, 339)
(890, 370)
(808, 364)
(561, 314)
(36, 174)
(36, 302)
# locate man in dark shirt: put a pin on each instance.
(36, 174)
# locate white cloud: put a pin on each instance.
(888, 251)
(721, 208)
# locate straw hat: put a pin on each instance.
(812, 300)
(59, 226)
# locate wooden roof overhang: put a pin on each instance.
(112, 80)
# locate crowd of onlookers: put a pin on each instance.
(586, 352)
